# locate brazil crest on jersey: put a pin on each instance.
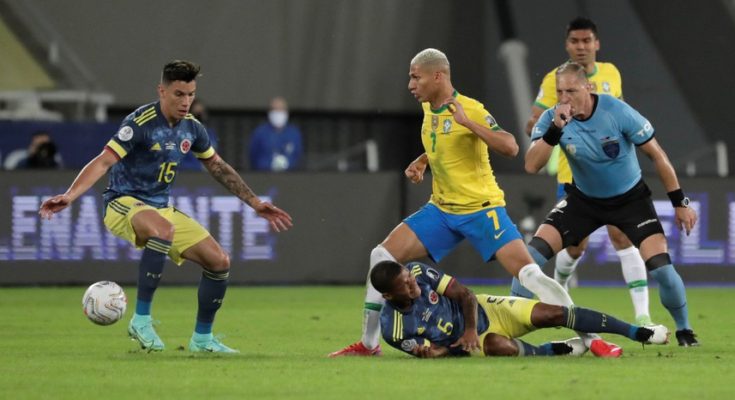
(433, 318)
(462, 178)
(604, 80)
(149, 150)
(601, 149)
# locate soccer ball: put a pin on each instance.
(104, 303)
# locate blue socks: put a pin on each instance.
(673, 295)
(527, 349)
(149, 273)
(212, 288)
(516, 289)
(586, 320)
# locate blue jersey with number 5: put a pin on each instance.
(149, 151)
(432, 318)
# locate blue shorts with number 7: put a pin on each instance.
(488, 230)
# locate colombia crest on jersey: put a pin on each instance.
(432, 318)
(149, 151)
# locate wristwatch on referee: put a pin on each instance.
(678, 199)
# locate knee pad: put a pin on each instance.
(541, 246)
(658, 261)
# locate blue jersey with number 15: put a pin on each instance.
(149, 151)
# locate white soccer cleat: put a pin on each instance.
(660, 334)
(577, 345)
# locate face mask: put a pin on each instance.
(278, 118)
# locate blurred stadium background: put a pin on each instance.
(343, 64)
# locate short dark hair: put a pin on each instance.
(179, 70)
(581, 23)
(383, 275)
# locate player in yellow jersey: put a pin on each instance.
(582, 44)
(466, 202)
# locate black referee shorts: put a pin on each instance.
(578, 215)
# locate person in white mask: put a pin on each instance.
(276, 145)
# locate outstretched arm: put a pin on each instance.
(229, 178)
(88, 176)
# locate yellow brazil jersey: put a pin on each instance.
(605, 79)
(462, 179)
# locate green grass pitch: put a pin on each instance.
(48, 350)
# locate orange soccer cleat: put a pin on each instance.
(601, 348)
(357, 349)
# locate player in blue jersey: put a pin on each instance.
(599, 135)
(142, 159)
(430, 314)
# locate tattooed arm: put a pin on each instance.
(229, 178)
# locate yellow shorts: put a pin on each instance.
(187, 231)
(508, 316)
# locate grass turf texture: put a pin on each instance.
(48, 349)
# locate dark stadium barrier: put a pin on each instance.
(338, 219)
(706, 256)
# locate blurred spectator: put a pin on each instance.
(199, 111)
(276, 145)
(41, 153)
